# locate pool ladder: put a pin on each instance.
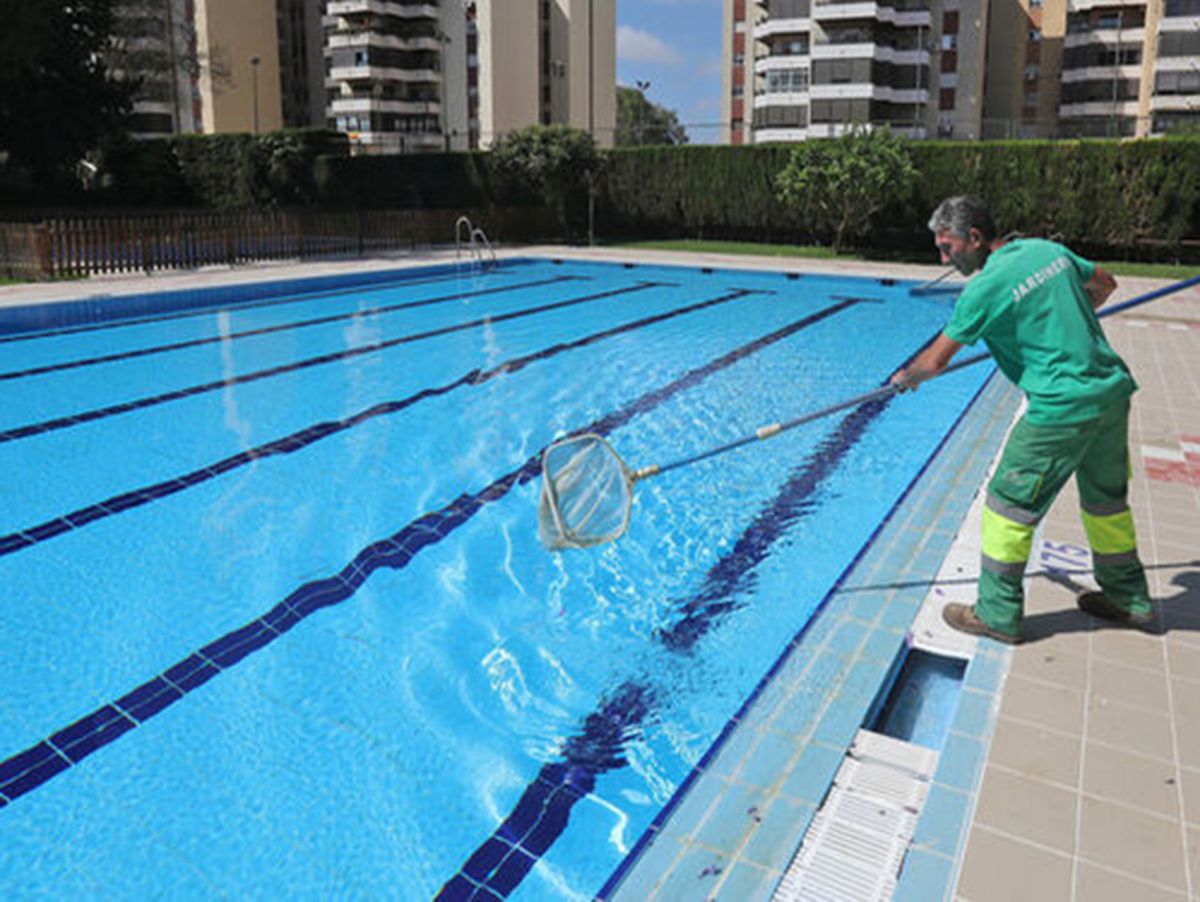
(476, 243)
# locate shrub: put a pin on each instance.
(840, 184)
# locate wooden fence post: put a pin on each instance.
(40, 240)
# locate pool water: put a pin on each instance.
(276, 619)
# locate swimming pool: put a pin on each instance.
(276, 615)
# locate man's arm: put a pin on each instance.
(928, 363)
(1099, 287)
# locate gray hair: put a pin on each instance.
(958, 215)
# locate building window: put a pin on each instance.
(1035, 35)
(949, 42)
(946, 99)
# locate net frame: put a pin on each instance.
(560, 530)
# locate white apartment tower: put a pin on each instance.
(814, 68)
(796, 69)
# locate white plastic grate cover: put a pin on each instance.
(855, 846)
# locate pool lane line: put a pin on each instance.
(292, 297)
(541, 814)
(27, 770)
(268, 330)
(24, 538)
(100, 413)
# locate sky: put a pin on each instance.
(676, 46)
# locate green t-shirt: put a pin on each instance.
(1029, 307)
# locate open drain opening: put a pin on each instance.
(919, 704)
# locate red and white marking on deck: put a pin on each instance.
(1180, 465)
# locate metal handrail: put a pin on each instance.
(458, 224)
(478, 234)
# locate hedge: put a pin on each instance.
(1134, 198)
(1138, 199)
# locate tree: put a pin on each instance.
(56, 97)
(557, 162)
(641, 122)
(839, 184)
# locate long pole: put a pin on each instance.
(765, 432)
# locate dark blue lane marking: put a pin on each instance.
(29, 536)
(268, 330)
(32, 767)
(599, 746)
(101, 413)
(291, 297)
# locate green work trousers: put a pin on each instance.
(1036, 464)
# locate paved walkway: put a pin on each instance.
(1091, 788)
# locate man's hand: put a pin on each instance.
(927, 364)
(905, 380)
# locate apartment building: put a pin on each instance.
(444, 74)
(396, 74)
(154, 42)
(1175, 99)
(963, 69)
(813, 68)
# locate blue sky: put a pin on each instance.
(676, 46)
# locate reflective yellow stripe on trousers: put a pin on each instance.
(1006, 541)
(1110, 532)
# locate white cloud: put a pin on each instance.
(643, 47)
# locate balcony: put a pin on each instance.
(780, 98)
(1079, 6)
(351, 8)
(1098, 109)
(868, 91)
(1101, 73)
(345, 106)
(771, 27)
(786, 61)
(902, 18)
(879, 52)
(339, 74)
(1176, 103)
(372, 39)
(1132, 37)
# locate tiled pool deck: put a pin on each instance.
(1072, 767)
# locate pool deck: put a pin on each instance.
(1072, 770)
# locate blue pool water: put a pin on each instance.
(276, 619)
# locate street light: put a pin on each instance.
(643, 87)
(254, 61)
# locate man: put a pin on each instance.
(1033, 303)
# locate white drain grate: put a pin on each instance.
(856, 843)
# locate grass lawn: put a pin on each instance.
(1116, 267)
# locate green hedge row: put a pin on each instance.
(1136, 198)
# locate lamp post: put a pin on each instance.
(254, 61)
(643, 87)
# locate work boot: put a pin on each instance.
(1100, 605)
(962, 618)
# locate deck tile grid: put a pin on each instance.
(1092, 785)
